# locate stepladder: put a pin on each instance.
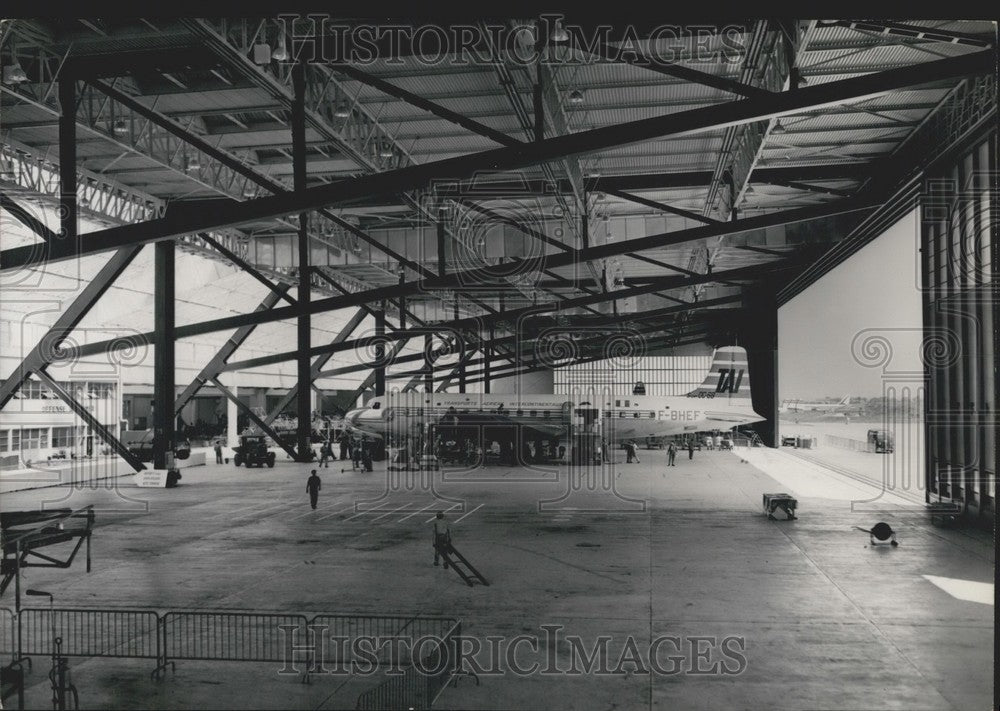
(455, 560)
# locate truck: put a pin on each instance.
(881, 442)
(253, 450)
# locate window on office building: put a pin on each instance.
(64, 436)
(100, 390)
(34, 438)
(3, 441)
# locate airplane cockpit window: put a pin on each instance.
(376, 405)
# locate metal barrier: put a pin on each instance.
(245, 637)
(8, 636)
(351, 627)
(420, 684)
(227, 636)
(90, 633)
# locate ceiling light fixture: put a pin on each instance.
(576, 97)
(280, 53)
(386, 150)
(342, 110)
(14, 73)
(778, 127)
(121, 127)
(559, 34)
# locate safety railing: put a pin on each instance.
(422, 681)
(242, 636)
(351, 627)
(89, 633)
(227, 636)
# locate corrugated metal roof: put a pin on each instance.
(614, 93)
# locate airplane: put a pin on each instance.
(799, 406)
(721, 402)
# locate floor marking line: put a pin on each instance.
(416, 512)
(389, 513)
(368, 511)
(470, 512)
(332, 503)
(446, 510)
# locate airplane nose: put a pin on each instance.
(351, 418)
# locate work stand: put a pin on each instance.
(785, 502)
(455, 560)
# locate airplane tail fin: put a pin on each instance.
(727, 379)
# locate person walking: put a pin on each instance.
(313, 485)
(671, 454)
(690, 449)
(634, 448)
(218, 452)
(605, 457)
(442, 537)
(324, 454)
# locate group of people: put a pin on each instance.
(672, 449)
(357, 450)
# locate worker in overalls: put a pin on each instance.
(442, 537)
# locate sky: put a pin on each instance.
(874, 296)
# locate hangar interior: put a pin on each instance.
(215, 226)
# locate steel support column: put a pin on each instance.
(760, 338)
(304, 321)
(163, 375)
(428, 363)
(67, 158)
(380, 351)
(317, 366)
(442, 262)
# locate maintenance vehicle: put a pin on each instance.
(253, 450)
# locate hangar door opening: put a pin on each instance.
(850, 370)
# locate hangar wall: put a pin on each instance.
(959, 263)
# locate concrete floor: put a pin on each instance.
(826, 621)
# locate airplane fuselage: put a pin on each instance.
(617, 417)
